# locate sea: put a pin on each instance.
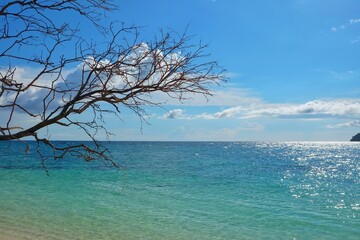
(184, 190)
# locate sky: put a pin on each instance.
(293, 71)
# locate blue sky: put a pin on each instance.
(293, 68)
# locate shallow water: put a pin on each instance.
(185, 190)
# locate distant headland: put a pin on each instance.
(356, 138)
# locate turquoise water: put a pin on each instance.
(193, 190)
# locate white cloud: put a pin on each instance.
(317, 109)
(346, 25)
(233, 112)
(354, 20)
(229, 113)
(175, 113)
(31, 99)
(355, 123)
(35, 97)
(180, 114)
(313, 109)
(338, 28)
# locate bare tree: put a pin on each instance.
(124, 72)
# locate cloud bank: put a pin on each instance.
(317, 109)
(141, 65)
(355, 123)
(176, 113)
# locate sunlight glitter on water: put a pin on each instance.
(240, 190)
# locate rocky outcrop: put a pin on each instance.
(356, 138)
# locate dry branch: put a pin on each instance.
(123, 74)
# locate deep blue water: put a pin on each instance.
(185, 190)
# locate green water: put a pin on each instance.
(185, 191)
